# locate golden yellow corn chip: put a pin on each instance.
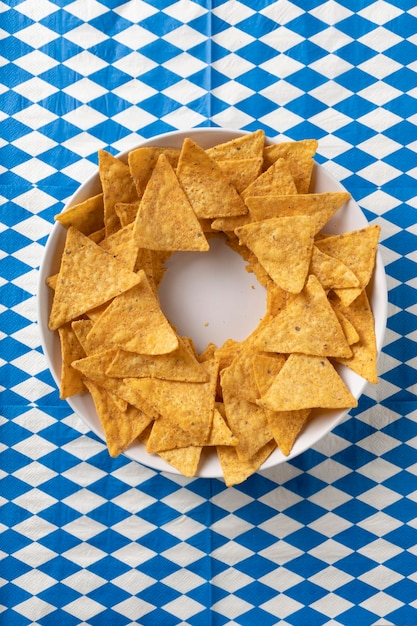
(266, 368)
(275, 181)
(351, 334)
(120, 427)
(308, 325)
(236, 470)
(88, 277)
(364, 357)
(186, 410)
(122, 246)
(185, 460)
(134, 321)
(285, 427)
(126, 212)
(241, 172)
(244, 147)
(299, 155)
(98, 235)
(322, 206)
(180, 364)
(209, 191)
(87, 216)
(71, 350)
(306, 381)
(332, 273)
(283, 246)
(143, 160)
(117, 185)
(220, 433)
(165, 219)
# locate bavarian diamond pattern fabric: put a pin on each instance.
(329, 537)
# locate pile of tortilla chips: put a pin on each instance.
(242, 399)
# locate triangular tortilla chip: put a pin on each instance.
(236, 470)
(117, 185)
(356, 249)
(241, 172)
(285, 427)
(180, 364)
(126, 212)
(304, 382)
(322, 206)
(283, 246)
(145, 329)
(87, 216)
(364, 358)
(186, 410)
(220, 433)
(244, 147)
(122, 246)
(88, 277)
(143, 160)
(299, 155)
(308, 325)
(71, 350)
(275, 181)
(209, 191)
(332, 273)
(165, 219)
(120, 427)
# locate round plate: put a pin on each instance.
(349, 217)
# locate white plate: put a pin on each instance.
(209, 323)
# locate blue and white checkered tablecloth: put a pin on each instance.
(329, 537)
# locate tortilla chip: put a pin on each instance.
(241, 172)
(283, 246)
(185, 460)
(236, 470)
(165, 219)
(180, 365)
(88, 277)
(275, 181)
(322, 206)
(308, 325)
(220, 433)
(87, 216)
(209, 191)
(299, 155)
(244, 147)
(286, 426)
(120, 427)
(71, 350)
(122, 246)
(332, 273)
(304, 382)
(186, 410)
(117, 185)
(351, 334)
(126, 212)
(143, 160)
(265, 369)
(145, 329)
(364, 358)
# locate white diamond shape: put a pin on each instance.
(231, 526)
(84, 501)
(135, 33)
(281, 92)
(230, 554)
(35, 528)
(83, 145)
(331, 39)
(379, 146)
(35, 581)
(84, 474)
(184, 37)
(85, 90)
(133, 554)
(183, 554)
(330, 120)
(34, 447)
(379, 67)
(36, 35)
(133, 580)
(234, 12)
(331, 13)
(36, 62)
(232, 39)
(32, 389)
(85, 63)
(330, 551)
(231, 117)
(135, 11)
(330, 578)
(187, 9)
(84, 608)
(133, 608)
(282, 12)
(37, 9)
(129, 118)
(331, 605)
(34, 554)
(281, 119)
(231, 580)
(184, 64)
(84, 528)
(83, 447)
(379, 119)
(232, 92)
(86, 36)
(330, 524)
(330, 93)
(34, 420)
(134, 91)
(84, 117)
(380, 12)
(34, 474)
(380, 550)
(379, 173)
(136, 64)
(185, 91)
(32, 362)
(232, 66)
(331, 66)
(82, 169)
(381, 604)
(183, 607)
(379, 93)
(35, 89)
(183, 118)
(281, 40)
(183, 581)
(86, 10)
(381, 577)
(34, 170)
(84, 555)
(34, 609)
(232, 606)
(84, 581)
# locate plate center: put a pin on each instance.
(210, 296)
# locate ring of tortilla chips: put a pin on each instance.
(242, 399)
